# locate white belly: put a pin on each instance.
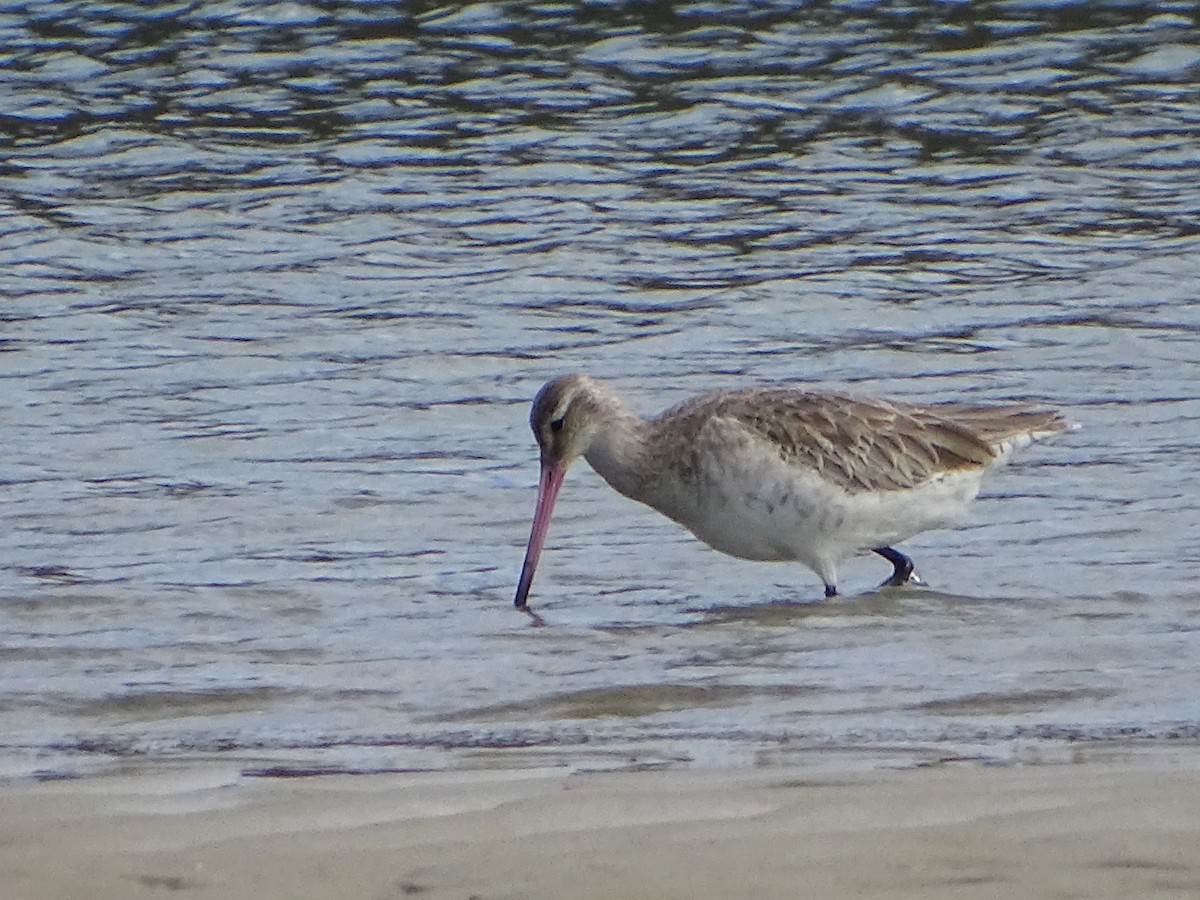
(804, 521)
(764, 509)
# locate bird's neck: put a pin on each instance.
(619, 450)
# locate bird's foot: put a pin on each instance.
(903, 570)
(895, 581)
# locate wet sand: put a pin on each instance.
(1092, 830)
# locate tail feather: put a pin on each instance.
(1006, 429)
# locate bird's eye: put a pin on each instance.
(556, 425)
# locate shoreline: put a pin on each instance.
(1122, 826)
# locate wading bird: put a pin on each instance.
(774, 473)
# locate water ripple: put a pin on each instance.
(280, 279)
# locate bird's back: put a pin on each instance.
(865, 444)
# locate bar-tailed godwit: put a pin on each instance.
(775, 473)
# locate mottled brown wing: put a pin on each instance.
(858, 443)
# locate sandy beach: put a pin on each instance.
(1123, 829)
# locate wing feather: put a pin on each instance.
(861, 443)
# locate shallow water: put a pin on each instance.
(279, 281)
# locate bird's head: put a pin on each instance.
(564, 419)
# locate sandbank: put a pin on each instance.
(1128, 828)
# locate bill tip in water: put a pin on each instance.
(537, 621)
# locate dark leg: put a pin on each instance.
(830, 591)
(904, 567)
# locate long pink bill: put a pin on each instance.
(548, 486)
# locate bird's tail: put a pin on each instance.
(1007, 429)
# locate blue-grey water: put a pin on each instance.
(278, 281)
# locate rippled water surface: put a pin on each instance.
(278, 280)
